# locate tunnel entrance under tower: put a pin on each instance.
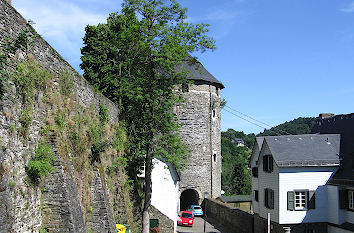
(188, 197)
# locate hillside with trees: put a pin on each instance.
(301, 125)
(235, 177)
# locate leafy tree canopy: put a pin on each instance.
(132, 59)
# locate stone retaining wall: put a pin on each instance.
(237, 221)
(21, 204)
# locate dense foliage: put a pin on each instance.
(301, 125)
(132, 59)
(235, 175)
(41, 162)
(236, 178)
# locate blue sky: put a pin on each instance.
(278, 59)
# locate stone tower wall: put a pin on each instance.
(201, 132)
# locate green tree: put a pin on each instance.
(301, 125)
(132, 59)
(235, 177)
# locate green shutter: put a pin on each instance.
(311, 204)
(154, 223)
(266, 198)
(291, 201)
(271, 199)
(343, 199)
(270, 163)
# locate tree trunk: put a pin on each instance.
(148, 191)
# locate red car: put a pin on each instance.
(186, 218)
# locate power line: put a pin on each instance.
(245, 115)
(248, 116)
(250, 121)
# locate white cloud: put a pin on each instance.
(62, 22)
(349, 8)
(60, 19)
(221, 15)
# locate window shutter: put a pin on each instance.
(265, 161)
(291, 201)
(271, 199)
(270, 163)
(311, 203)
(266, 198)
(343, 199)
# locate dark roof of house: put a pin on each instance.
(259, 141)
(305, 150)
(234, 199)
(197, 72)
(238, 140)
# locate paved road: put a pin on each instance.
(198, 226)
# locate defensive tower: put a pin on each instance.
(200, 117)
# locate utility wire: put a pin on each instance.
(248, 116)
(232, 111)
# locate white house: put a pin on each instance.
(165, 195)
(289, 180)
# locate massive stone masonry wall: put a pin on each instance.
(60, 200)
(23, 208)
(201, 132)
(166, 225)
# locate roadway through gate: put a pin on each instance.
(198, 227)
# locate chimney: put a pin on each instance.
(326, 115)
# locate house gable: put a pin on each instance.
(255, 151)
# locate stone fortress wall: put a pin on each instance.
(22, 205)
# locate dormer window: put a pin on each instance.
(268, 163)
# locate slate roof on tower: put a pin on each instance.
(304, 150)
(198, 72)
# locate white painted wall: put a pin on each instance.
(335, 215)
(311, 178)
(165, 190)
(268, 180)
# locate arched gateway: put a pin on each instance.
(189, 197)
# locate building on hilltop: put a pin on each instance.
(290, 181)
(238, 142)
(200, 118)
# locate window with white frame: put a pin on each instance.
(351, 199)
(300, 200)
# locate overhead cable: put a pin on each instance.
(235, 112)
